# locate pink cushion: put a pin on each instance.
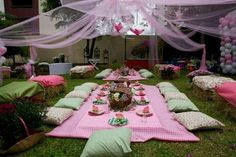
(176, 68)
(49, 80)
(228, 91)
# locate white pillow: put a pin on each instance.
(57, 116)
(77, 94)
(91, 84)
(175, 95)
(197, 120)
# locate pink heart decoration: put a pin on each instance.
(2, 50)
(118, 27)
(136, 31)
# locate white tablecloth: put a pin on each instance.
(59, 68)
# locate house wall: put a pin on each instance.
(2, 9)
(22, 13)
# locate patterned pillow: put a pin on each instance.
(177, 105)
(164, 84)
(175, 95)
(77, 94)
(91, 84)
(72, 103)
(57, 116)
(108, 143)
(197, 120)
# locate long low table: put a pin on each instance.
(160, 126)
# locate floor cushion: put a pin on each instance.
(163, 90)
(177, 105)
(164, 84)
(57, 116)
(175, 95)
(77, 94)
(83, 88)
(147, 74)
(108, 143)
(72, 103)
(91, 84)
(142, 70)
(197, 120)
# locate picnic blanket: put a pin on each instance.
(160, 125)
(49, 80)
(21, 89)
(227, 90)
(135, 77)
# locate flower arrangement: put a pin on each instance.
(17, 120)
(167, 71)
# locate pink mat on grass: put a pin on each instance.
(159, 126)
(227, 90)
(113, 77)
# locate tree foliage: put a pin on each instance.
(50, 4)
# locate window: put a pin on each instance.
(22, 3)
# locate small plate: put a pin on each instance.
(113, 122)
(140, 113)
(92, 113)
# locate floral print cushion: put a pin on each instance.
(210, 82)
(197, 120)
(175, 95)
(57, 116)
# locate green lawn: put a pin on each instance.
(213, 143)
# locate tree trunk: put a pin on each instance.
(92, 48)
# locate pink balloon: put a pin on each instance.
(2, 50)
(222, 59)
(234, 42)
(222, 43)
(228, 62)
(228, 56)
(234, 59)
(225, 22)
(232, 23)
(227, 39)
(221, 20)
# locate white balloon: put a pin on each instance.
(222, 65)
(228, 67)
(227, 50)
(228, 45)
(233, 48)
(222, 54)
(222, 48)
(234, 53)
(233, 71)
(234, 65)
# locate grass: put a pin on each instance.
(213, 143)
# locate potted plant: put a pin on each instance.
(167, 71)
(56, 59)
(19, 121)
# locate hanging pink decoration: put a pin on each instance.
(136, 31)
(118, 27)
(3, 50)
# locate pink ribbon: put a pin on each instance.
(136, 31)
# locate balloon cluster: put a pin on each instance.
(228, 44)
(2, 50)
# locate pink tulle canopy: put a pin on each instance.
(76, 20)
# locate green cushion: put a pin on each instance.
(108, 143)
(178, 105)
(102, 74)
(72, 103)
(91, 84)
(164, 90)
(142, 70)
(147, 74)
(84, 88)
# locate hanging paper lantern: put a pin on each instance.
(2, 50)
(136, 31)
